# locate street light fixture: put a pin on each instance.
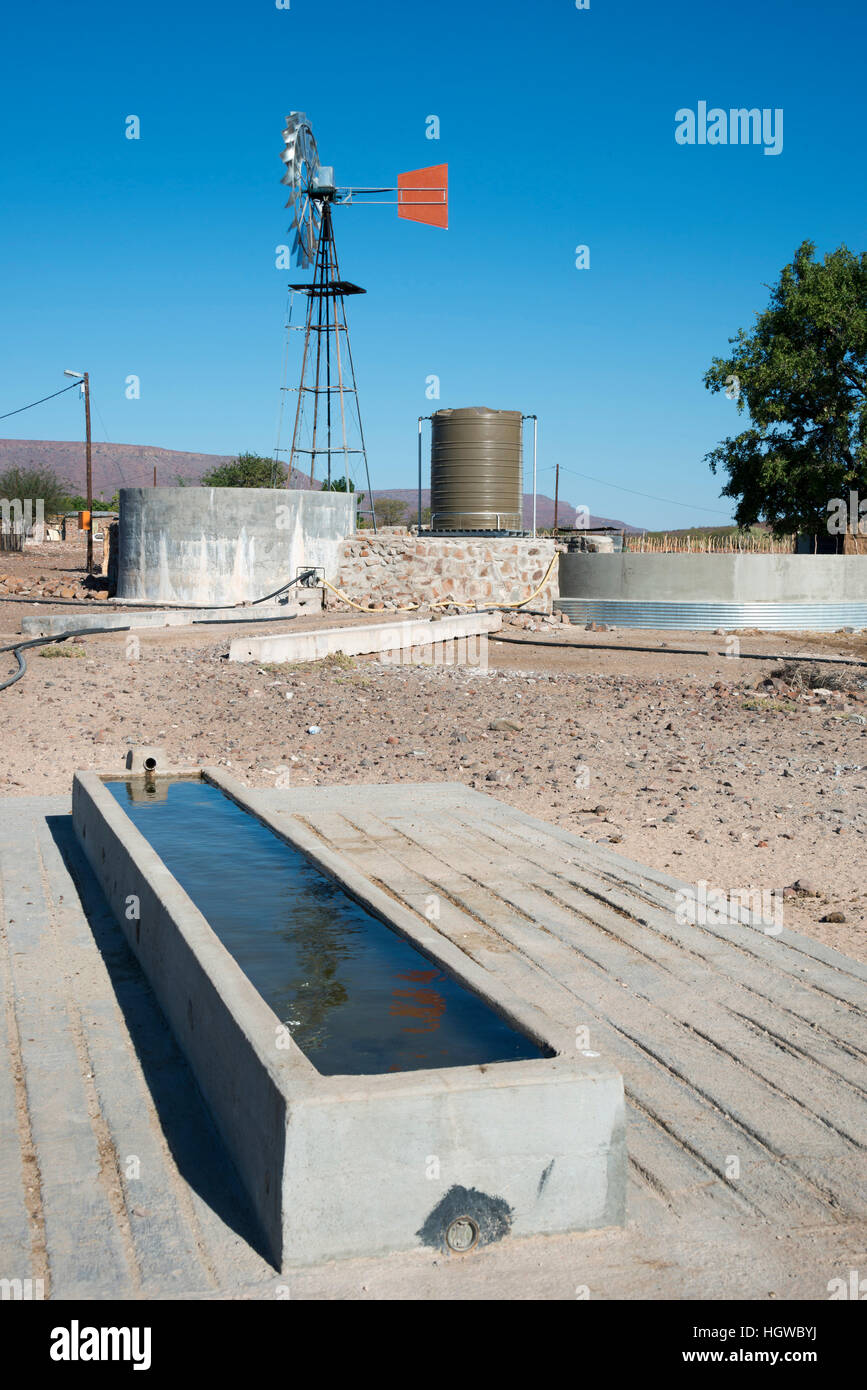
(84, 378)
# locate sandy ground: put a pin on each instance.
(688, 763)
(695, 762)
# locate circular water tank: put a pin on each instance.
(225, 545)
(476, 471)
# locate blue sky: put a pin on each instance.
(156, 257)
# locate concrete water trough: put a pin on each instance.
(377, 1088)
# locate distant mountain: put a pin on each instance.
(544, 509)
(132, 465)
(115, 465)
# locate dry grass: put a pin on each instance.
(767, 704)
(335, 661)
(809, 675)
(63, 651)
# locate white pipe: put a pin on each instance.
(535, 420)
(420, 418)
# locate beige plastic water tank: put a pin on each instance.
(476, 471)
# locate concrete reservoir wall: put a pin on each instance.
(225, 545)
(807, 592)
(716, 578)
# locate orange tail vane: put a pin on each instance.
(423, 195)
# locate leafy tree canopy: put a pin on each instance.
(36, 483)
(78, 503)
(247, 470)
(801, 375)
(390, 511)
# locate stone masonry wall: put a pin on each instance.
(394, 568)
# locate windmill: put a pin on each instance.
(327, 370)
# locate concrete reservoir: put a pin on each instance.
(225, 545)
(702, 592)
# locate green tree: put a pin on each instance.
(78, 503)
(801, 375)
(339, 485)
(247, 470)
(35, 483)
(390, 511)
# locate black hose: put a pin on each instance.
(58, 602)
(674, 651)
(18, 647)
(169, 607)
(299, 579)
(233, 622)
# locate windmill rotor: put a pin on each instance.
(301, 158)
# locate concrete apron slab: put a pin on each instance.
(735, 1043)
(380, 638)
(340, 1166)
(51, 625)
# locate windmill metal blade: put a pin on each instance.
(301, 158)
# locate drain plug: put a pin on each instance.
(462, 1235)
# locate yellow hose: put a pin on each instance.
(444, 602)
(455, 603)
(360, 606)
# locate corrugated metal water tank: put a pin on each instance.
(476, 470)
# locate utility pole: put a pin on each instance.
(89, 466)
(84, 378)
(420, 418)
(556, 493)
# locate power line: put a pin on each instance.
(107, 440)
(99, 417)
(649, 495)
(44, 398)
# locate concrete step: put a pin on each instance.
(134, 1195)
